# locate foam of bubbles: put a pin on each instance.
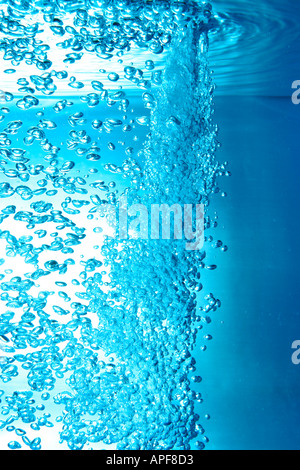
(98, 334)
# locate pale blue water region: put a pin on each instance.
(108, 343)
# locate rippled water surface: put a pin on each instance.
(254, 48)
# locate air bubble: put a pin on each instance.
(113, 77)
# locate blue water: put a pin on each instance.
(119, 351)
(252, 385)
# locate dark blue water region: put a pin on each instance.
(252, 386)
(254, 48)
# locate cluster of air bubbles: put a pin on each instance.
(100, 331)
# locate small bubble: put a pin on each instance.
(14, 445)
(149, 64)
(113, 77)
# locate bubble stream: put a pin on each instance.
(101, 332)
